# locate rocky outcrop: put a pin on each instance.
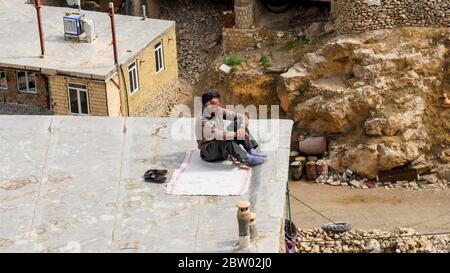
(361, 159)
(336, 113)
(375, 95)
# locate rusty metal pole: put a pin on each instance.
(41, 32)
(113, 30)
(124, 109)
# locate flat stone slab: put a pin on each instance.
(74, 184)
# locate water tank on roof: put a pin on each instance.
(89, 29)
(73, 25)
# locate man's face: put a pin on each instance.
(215, 102)
(213, 106)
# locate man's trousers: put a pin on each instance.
(218, 150)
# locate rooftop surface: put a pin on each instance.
(74, 184)
(19, 43)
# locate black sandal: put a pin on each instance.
(157, 171)
(155, 176)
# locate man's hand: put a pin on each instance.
(243, 127)
(241, 134)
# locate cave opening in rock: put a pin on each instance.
(290, 14)
(279, 6)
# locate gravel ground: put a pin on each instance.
(366, 209)
(381, 220)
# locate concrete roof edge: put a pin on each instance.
(32, 68)
(111, 74)
(47, 71)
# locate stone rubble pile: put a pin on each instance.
(198, 28)
(401, 240)
(425, 182)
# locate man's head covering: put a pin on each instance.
(209, 95)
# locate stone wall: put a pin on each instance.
(243, 34)
(243, 13)
(39, 98)
(355, 16)
(163, 101)
(19, 109)
(235, 39)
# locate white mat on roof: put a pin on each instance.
(198, 177)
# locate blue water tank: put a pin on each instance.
(73, 26)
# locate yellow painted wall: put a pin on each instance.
(96, 92)
(151, 82)
(113, 97)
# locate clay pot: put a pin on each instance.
(296, 170)
(322, 168)
(313, 146)
(312, 158)
(311, 172)
(300, 158)
(292, 156)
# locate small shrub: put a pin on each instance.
(265, 60)
(234, 60)
(297, 43)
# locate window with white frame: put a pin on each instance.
(134, 79)
(26, 82)
(78, 99)
(3, 82)
(159, 57)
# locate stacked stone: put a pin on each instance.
(18, 109)
(401, 240)
(235, 39)
(355, 16)
(243, 13)
(198, 26)
(165, 100)
(242, 36)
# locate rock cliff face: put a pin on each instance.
(377, 96)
